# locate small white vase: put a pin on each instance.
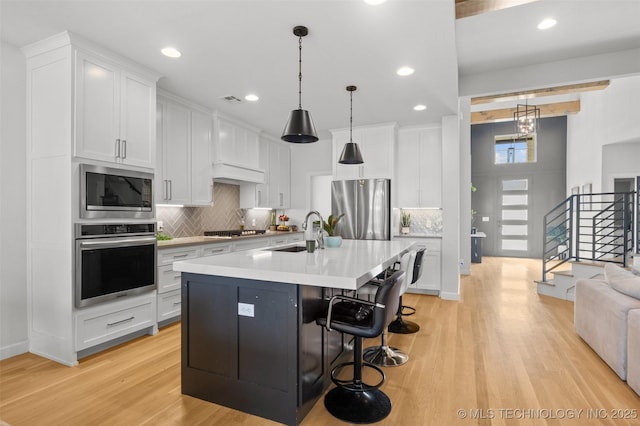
(333, 241)
(405, 230)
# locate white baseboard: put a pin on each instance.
(14, 349)
(446, 295)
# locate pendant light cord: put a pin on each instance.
(351, 116)
(300, 72)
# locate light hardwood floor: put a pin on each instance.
(502, 355)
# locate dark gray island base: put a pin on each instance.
(254, 345)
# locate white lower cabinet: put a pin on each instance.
(112, 320)
(430, 280)
(169, 304)
(169, 296)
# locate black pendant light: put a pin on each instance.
(351, 153)
(299, 128)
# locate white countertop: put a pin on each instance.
(347, 267)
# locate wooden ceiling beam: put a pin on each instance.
(548, 91)
(466, 8)
(505, 114)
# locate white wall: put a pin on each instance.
(451, 213)
(619, 160)
(13, 282)
(606, 117)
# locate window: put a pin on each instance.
(511, 149)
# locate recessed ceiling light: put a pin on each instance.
(404, 71)
(374, 2)
(171, 52)
(251, 97)
(420, 107)
(547, 23)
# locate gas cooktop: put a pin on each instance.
(233, 233)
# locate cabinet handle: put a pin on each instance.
(111, 324)
(177, 303)
(164, 190)
(281, 199)
(117, 148)
(177, 276)
(170, 189)
(124, 149)
(178, 256)
(218, 250)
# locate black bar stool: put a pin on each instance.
(400, 326)
(353, 400)
(385, 355)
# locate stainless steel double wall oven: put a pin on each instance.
(115, 244)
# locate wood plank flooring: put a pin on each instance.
(502, 355)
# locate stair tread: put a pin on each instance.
(549, 282)
(564, 272)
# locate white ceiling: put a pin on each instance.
(234, 47)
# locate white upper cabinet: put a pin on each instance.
(235, 151)
(419, 168)
(279, 175)
(376, 144)
(275, 159)
(183, 173)
(115, 113)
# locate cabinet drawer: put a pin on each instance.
(250, 244)
(168, 279)
(93, 328)
(168, 256)
(430, 244)
(169, 305)
(284, 239)
(296, 237)
(213, 249)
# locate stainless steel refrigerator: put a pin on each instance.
(366, 204)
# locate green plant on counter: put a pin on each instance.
(405, 219)
(161, 236)
(330, 224)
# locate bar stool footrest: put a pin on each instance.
(349, 384)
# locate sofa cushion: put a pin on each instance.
(633, 350)
(600, 318)
(622, 280)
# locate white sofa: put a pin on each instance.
(607, 317)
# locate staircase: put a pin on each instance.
(582, 234)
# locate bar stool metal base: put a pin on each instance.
(358, 407)
(384, 356)
(400, 326)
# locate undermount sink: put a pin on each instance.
(290, 249)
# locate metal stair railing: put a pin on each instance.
(595, 227)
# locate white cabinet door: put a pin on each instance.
(225, 151)
(176, 177)
(97, 108)
(279, 176)
(430, 168)
(184, 137)
(115, 113)
(431, 275)
(378, 145)
(407, 174)
(201, 173)
(137, 120)
(257, 195)
(419, 168)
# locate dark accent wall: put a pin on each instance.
(547, 180)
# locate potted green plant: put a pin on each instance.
(329, 226)
(405, 222)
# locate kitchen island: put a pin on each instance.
(249, 338)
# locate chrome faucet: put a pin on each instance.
(319, 236)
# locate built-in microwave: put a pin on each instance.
(110, 193)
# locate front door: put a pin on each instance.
(514, 230)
